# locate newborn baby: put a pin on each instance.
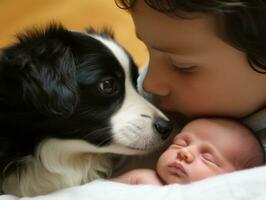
(203, 148)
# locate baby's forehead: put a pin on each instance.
(225, 135)
(233, 140)
(200, 129)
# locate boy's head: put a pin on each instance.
(209, 147)
(204, 54)
(238, 16)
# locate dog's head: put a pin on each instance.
(63, 84)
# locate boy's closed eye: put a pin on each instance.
(184, 66)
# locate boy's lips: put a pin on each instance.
(177, 168)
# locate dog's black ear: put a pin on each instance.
(43, 75)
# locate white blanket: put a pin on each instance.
(246, 184)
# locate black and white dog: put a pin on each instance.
(67, 100)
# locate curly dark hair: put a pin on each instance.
(244, 22)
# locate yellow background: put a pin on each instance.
(19, 15)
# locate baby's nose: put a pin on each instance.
(184, 154)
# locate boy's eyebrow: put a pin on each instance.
(152, 46)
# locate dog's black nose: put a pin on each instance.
(163, 127)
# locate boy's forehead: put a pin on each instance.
(154, 27)
(141, 12)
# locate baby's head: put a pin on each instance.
(209, 147)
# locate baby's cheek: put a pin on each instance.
(162, 163)
(201, 171)
(166, 156)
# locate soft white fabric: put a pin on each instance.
(247, 184)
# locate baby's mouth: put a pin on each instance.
(177, 169)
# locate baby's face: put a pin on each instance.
(202, 149)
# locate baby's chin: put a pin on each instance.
(176, 180)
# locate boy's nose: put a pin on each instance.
(155, 84)
(185, 155)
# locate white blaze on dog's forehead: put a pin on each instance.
(118, 52)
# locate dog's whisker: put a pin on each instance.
(105, 140)
(145, 116)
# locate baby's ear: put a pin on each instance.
(44, 78)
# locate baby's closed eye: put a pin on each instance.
(210, 158)
(181, 143)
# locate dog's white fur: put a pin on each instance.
(58, 164)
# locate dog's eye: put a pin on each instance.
(108, 86)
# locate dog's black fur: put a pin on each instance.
(57, 83)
